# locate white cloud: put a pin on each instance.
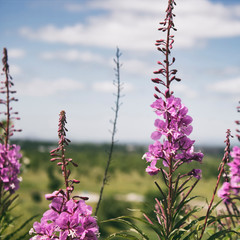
(16, 53)
(231, 86)
(225, 72)
(40, 87)
(73, 55)
(186, 91)
(137, 66)
(107, 86)
(133, 24)
(73, 7)
(15, 70)
(124, 5)
(200, 20)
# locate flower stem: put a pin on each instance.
(116, 110)
(224, 161)
(6, 71)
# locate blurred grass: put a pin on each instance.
(127, 174)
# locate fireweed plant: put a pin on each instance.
(230, 190)
(9, 153)
(9, 158)
(173, 149)
(69, 217)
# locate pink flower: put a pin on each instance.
(174, 129)
(10, 167)
(224, 192)
(197, 173)
(152, 169)
(232, 188)
(66, 218)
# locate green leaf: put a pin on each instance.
(123, 235)
(189, 235)
(10, 236)
(222, 233)
(183, 219)
(139, 231)
(180, 206)
(176, 234)
(215, 206)
(157, 229)
(6, 223)
(218, 218)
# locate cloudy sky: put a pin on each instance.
(61, 58)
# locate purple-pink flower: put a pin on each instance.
(10, 167)
(66, 219)
(224, 192)
(173, 130)
(232, 188)
(197, 173)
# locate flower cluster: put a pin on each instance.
(66, 219)
(10, 167)
(231, 188)
(175, 125)
(174, 128)
(9, 154)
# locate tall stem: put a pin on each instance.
(64, 170)
(6, 130)
(170, 187)
(62, 142)
(167, 49)
(169, 210)
(116, 110)
(224, 161)
(6, 71)
(8, 113)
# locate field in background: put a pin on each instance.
(129, 186)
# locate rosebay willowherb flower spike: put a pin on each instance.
(167, 75)
(9, 168)
(7, 125)
(59, 154)
(9, 154)
(175, 126)
(230, 190)
(221, 170)
(238, 123)
(172, 147)
(69, 217)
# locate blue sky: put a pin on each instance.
(61, 58)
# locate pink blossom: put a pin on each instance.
(152, 169)
(224, 192)
(173, 130)
(10, 167)
(232, 188)
(66, 218)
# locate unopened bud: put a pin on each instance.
(156, 88)
(84, 198)
(75, 181)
